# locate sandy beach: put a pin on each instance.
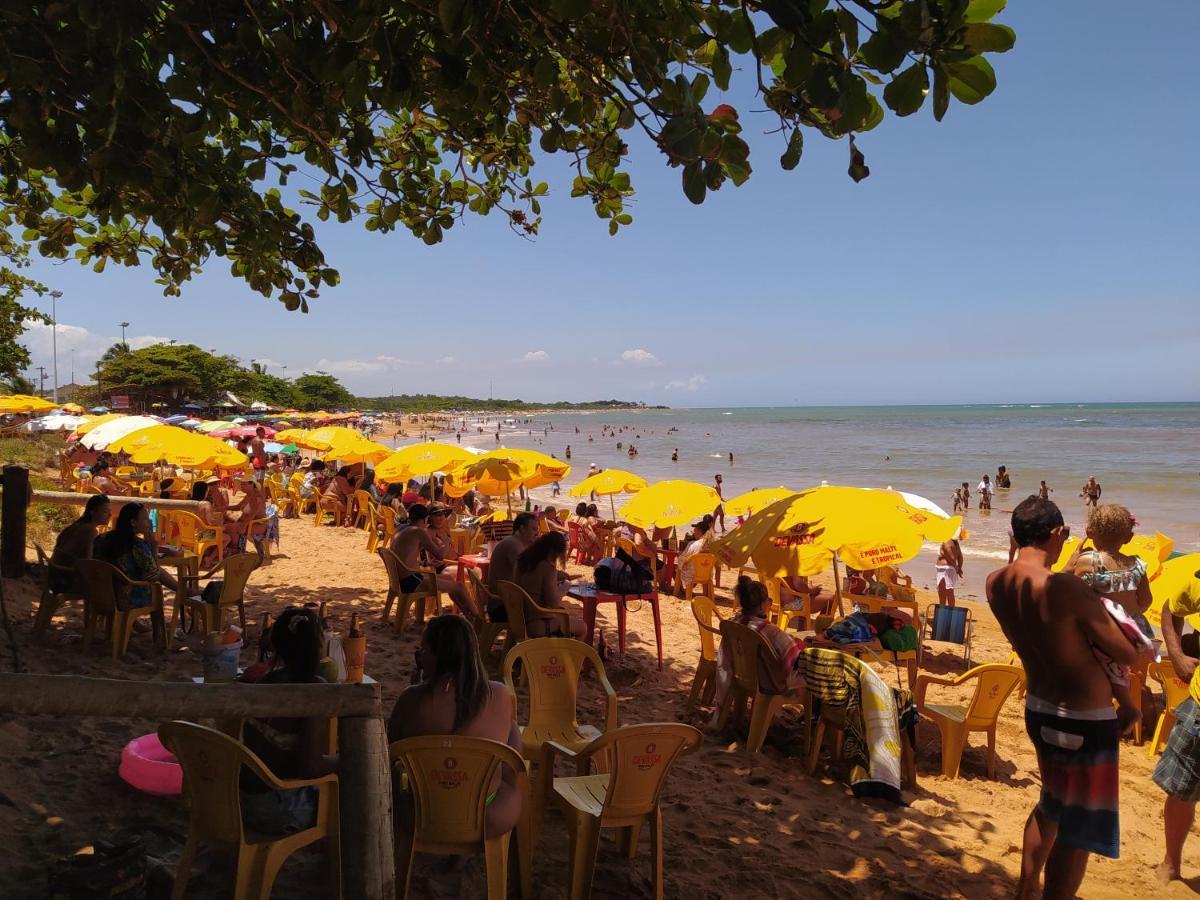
(736, 824)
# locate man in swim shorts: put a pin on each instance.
(1053, 621)
(1178, 770)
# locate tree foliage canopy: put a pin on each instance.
(14, 316)
(164, 130)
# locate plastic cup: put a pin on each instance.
(355, 650)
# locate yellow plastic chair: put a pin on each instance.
(427, 597)
(1175, 691)
(51, 601)
(993, 683)
(517, 603)
(777, 614)
(703, 567)
(105, 589)
(552, 668)
(485, 629)
(626, 795)
(183, 529)
(212, 763)
(382, 528)
(899, 585)
(704, 684)
(236, 572)
(450, 777)
(749, 654)
(327, 505)
(364, 506)
(284, 501)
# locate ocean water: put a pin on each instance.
(1145, 456)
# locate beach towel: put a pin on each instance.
(872, 744)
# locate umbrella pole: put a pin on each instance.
(613, 504)
(837, 587)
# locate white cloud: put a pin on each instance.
(535, 356)
(447, 361)
(639, 357)
(692, 383)
(87, 346)
(380, 363)
(268, 362)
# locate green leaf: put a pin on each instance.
(983, 10)
(721, 69)
(941, 92)
(906, 92)
(795, 147)
(693, 182)
(882, 52)
(971, 80)
(858, 164)
(984, 37)
(848, 25)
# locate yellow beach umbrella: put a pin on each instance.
(607, 484)
(361, 451)
(1179, 576)
(322, 439)
(501, 471)
(1154, 550)
(807, 532)
(667, 504)
(178, 447)
(421, 461)
(747, 503)
(25, 403)
(73, 408)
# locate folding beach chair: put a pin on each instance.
(951, 624)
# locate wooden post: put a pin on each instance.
(14, 507)
(365, 780)
(71, 498)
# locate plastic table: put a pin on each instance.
(591, 598)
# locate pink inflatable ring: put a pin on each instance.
(150, 767)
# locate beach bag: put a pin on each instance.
(615, 576)
(116, 870)
(854, 629)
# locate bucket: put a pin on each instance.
(221, 661)
(355, 650)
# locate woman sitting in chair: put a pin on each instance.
(340, 491)
(291, 748)
(451, 694)
(795, 591)
(538, 574)
(130, 547)
(701, 532)
(754, 603)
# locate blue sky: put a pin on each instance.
(1039, 246)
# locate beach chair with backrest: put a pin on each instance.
(364, 510)
(703, 566)
(284, 502)
(212, 764)
(910, 658)
(327, 505)
(751, 658)
(184, 530)
(52, 601)
(233, 573)
(485, 629)
(993, 683)
(783, 617)
(632, 765)
(1175, 691)
(950, 624)
(516, 602)
(449, 778)
(105, 595)
(552, 667)
(704, 684)
(427, 596)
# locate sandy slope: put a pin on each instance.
(737, 825)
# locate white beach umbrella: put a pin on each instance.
(56, 422)
(928, 505)
(103, 435)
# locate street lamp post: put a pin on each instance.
(124, 325)
(54, 295)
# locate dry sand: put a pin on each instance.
(736, 825)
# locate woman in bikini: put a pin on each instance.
(451, 694)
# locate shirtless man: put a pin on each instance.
(424, 534)
(503, 565)
(258, 454)
(719, 513)
(949, 568)
(1052, 621)
(1091, 491)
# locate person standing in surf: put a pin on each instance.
(719, 512)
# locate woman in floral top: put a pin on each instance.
(130, 547)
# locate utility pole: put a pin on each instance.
(54, 295)
(42, 380)
(72, 365)
(124, 325)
